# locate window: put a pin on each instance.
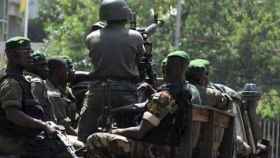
(3, 19)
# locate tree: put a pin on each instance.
(239, 37)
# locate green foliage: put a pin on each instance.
(240, 38)
(67, 23)
(269, 105)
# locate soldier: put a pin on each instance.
(195, 100)
(37, 73)
(39, 66)
(96, 26)
(197, 74)
(163, 123)
(58, 104)
(60, 95)
(114, 52)
(210, 95)
(22, 118)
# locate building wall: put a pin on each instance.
(3, 19)
(12, 20)
(15, 18)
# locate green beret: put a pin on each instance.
(198, 67)
(202, 63)
(18, 43)
(39, 57)
(181, 54)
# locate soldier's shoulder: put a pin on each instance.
(9, 83)
(135, 33)
(93, 35)
(231, 92)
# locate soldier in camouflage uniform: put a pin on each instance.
(60, 95)
(213, 95)
(210, 95)
(58, 104)
(163, 123)
(114, 52)
(37, 73)
(21, 117)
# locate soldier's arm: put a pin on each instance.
(38, 91)
(137, 132)
(11, 103)
(158, 108)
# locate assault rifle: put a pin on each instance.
(145, 63)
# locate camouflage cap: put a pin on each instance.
(18, 43)
(181, 54)
(39, 57)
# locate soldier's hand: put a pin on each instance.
(49, 128)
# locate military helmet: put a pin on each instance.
(114, 10)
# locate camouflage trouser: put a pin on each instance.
(119, 93)
(106, 145)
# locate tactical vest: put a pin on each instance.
(171, 128)
(29, 107)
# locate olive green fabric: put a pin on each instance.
(10, 94)
(181, 54)
(115, 52)
(198, 67)
(119, 93)
(202, 63)
(18, 43)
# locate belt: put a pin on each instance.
(133, 79)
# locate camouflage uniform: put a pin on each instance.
(166, 113)
(116, 67)
(63, 104)
(10, 95)
(15, 93)
(108, 145)
(211, 96)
